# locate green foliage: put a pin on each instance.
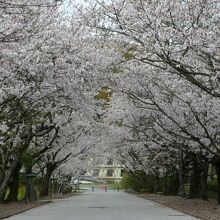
(138, 182)
(104, 94)
(21, 193)
(213, 185)
(171, 184)
(187, 188)
(119, 123)
(128, 56)
(129, 182)
(116, 186)
(117, 70)
(7, 193)
(27, 159)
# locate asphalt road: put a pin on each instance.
(100, 205)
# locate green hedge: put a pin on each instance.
(213, 185)
(139, 182)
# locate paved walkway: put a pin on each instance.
(100, 205)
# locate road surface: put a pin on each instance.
(100, 205)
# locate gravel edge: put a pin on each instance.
(41, 202)
(34, 205)
(175, 208)
(205, 210)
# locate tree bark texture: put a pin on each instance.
(14, 184)
(195, 181)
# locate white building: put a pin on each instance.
(110, 171)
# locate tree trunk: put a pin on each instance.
(181, 190)
(156, 184)
(165, 186)
(6, 180)
(204, 178)
(217, 167)
(46, 180)
(14, 184)
(195, 181)
(31, 193)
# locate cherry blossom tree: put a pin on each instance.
(171, 36)
(134, 80)
(170, 69)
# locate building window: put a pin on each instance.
(122, 172)
(109, 162)
(110, 173)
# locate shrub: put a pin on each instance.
(213, 185)
(138, 182)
